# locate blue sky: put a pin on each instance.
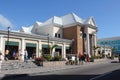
(17, 13)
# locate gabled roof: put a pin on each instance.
(63, 21)
(90, 21)
(70, 19)
(54, 20)
(37, 23)
(26, 29)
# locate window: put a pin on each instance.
(58, 35)
(80, 34)
(55, 34)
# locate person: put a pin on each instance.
(0, 60)
(14, 54)
(25, 55)
(119, 58)
(6, 54)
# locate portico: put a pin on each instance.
(31, 42)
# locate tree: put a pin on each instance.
(95, 48)
(52, 47)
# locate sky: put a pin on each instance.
(17, 13)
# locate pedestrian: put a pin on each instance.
(0, 60)
(80, 57)
(6, 55)
(119, 57)
(25, 55)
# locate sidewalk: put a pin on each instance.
(45, 69)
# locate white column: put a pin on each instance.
(53, 51)
(1, 42)
(39, 49)
(88, 45)
(22, 48)
(63, 51)
(95, 40)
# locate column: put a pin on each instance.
(53, 51)
(95, 40)
(63, 51)
(88, 45)
(22, 48)
(1, 42)
(1, 46)
(39, 49)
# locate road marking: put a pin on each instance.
(95, 78)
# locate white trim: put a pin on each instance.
(88, 45)
(22, 47)
(1, 43)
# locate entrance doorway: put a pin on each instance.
(58, 51)
(31, 49)
(13, 49)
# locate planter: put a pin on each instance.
(39, 63)
(91, 59)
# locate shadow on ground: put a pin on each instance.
(114, 75)
(48, 77)
(115, 62)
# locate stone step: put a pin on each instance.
(9, 65)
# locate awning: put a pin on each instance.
(67, 47)
(44, 46)
(12, 43)
(30, 45)
(58, 47)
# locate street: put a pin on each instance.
(103, 71)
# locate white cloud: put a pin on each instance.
(4, 22)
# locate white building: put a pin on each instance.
(68, 32)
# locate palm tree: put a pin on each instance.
(95, 48)
(52, 47)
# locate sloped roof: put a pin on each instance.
(90, 21)
(70, 19)
(53, 20)
(66, 20)
(26, 29)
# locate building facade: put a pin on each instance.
(72, 34)
(113, 42)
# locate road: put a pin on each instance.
(103, 71)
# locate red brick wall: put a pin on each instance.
(73, 32)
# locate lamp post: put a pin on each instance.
(8, 38)
(72, 45)
(48, 44)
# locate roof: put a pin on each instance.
(111, 38)
(63, 21)
(26, 29)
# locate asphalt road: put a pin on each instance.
(103, 71)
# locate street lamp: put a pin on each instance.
(72, 45)
(48, 43)
(8, 38)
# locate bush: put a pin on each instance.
(91, 59)
(48, 57)
(57, 58)
(96, 57)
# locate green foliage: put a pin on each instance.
(57, 58)
(52, 47)
(47, 57)
(96, 57)
(94, 47)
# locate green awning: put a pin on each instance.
(12, 43)
(44, 46)
(30, 45)
(58, 47)
(67, 47)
